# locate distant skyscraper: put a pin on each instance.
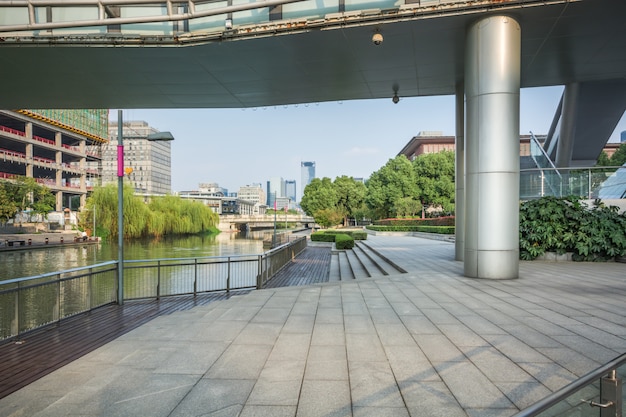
(307, 171)
(275, 188)
(623, 139)
(290, 189)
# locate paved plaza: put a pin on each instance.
(427, 343)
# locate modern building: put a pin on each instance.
(433, 142)
(253, 193)
(58, 148)
(307, 173)
(149, 162)
(213, 188)
(290, 189)
(275, 189)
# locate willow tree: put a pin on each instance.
(164, 215)
(103, 202)
(177, 216)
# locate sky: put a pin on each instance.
(237, 147)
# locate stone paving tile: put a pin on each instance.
(372, 384)
(428, 343)
(324, 399)
(215, 395)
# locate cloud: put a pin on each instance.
(356, 151)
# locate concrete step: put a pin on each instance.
(369, 261)
(334, 274)
(345, 269)
(385, 266)
(358, 269)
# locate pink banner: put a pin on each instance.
(120, 160)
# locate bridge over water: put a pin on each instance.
(250, 222)
(244, 53)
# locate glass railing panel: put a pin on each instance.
(209, 23)
(74, 14)
(599, 393)
(573, 406)
(252, 16)
(371, 4)
(310, 9)
(153, 28)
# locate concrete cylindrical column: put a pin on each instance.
(492, 87)
(459, 175)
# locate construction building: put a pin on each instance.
(60, 149)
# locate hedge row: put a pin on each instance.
(355, 234)
(343, 241)
(435, 221)
(444, 230)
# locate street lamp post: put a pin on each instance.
(158, 136)
(274, 237)
(120, 209)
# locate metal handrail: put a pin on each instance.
(102, 20)
(54, 274)
(570, 389)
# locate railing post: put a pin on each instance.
(89, 289)
(58, 309)
(259, 278)
(195, 277)
(228, 277)
(158, 288)
(16, 325)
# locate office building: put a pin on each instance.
(150, 161)
(253, 193)
(307, 173)
(290, 189)
(275, 189)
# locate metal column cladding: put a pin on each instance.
(492, 87)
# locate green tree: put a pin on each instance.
(407, 206)
(328, 217)
(8, 208)
(619, 157)
(319, 194)
(603, 160)
(43, 201)
(394, 181)
(350, 196)
(435, 179)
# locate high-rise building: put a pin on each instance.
(307, 172)
(623, 136)
(290, 189)
(275, 189)
(150, 161)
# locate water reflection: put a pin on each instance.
(38, 261)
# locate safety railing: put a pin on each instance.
(169, 18)
(590, 183)
(598, 393)
(32, 302)
(551, 178)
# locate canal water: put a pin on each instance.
(24, 263)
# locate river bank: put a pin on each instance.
(25, 241)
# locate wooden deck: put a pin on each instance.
(44, 350)
(311, 266)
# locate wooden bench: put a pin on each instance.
(16, 242)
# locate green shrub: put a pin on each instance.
(446, 230)
(355, 234)
(322, 237)
(436, 221)
(551, 224)
(343, 241)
